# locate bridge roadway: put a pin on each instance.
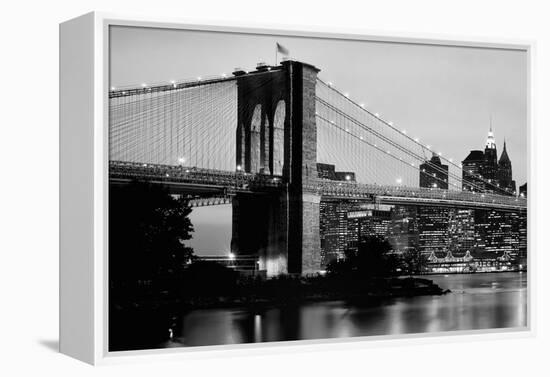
(218, 183)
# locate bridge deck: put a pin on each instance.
(193, 178)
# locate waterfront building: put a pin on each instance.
(344, 224)
(461, 230)
(403, 232)
(333, 226)
(369, 220)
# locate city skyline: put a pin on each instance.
(418, 87)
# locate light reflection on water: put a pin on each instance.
(478, 301)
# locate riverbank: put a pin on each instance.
(155, 314)
(288, 290)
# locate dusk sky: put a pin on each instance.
(444, 95)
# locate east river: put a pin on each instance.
(477, 301)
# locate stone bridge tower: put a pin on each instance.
(277, 136)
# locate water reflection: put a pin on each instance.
(480, 301)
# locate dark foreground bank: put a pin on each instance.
(159, 315)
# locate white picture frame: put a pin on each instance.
(84, 82)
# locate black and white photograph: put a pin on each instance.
(276, 188)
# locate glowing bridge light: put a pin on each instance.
(347, 129)
(439, 153)
(224, 75)
(416, 139)
(231, 256)
(199, 78)
(429, 147)
(113, 88)
(362, 105)
(361, 137)
(348, 177)
(144, 85)
(450, 159)
(346, 95)
(329, 83)
(239, 167)
(377, 115)
(181, 160)
(399, 181)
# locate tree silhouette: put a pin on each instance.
(373, 258)
(147, 230)
(413, 262)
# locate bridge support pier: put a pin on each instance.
(277, 134)
(281, 229)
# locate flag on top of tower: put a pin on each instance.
(282, 49)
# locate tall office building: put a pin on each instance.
(333, 227)
(461, 231)
(523, 190)
(490, 167)
(496, 233)
(433, 222)
(434, 174)
(333, 222)
(482, 172)
(472, 171)
(369, 220)
(504, 174)
(403, 232)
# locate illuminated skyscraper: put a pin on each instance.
(434, 174)
(433, 222)
(472, 171)
(481, 172)
(504, 174)
(496, 233)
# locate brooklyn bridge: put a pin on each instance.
(282, 145)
